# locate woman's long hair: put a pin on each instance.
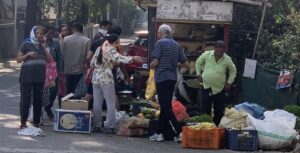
(111, 39)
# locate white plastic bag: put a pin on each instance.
(31, 131)
(271, 133)
(120, 117)
(281, 117)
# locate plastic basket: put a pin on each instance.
(204, 139)
(242, 140)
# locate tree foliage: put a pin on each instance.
(278, 46)
(45, 6)
(125, 14)
(121, 12)
(72, 10)
(282, 50)
(97, 10)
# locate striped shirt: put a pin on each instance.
(169, 54)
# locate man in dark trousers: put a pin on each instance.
(74, 49)
(165, 58)
(211, 68)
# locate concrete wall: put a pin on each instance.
(7, 49)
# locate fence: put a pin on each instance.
(7, 48)
(262, 91)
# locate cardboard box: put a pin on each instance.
(72, 121)
(74, 104)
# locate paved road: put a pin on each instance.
(55, 142)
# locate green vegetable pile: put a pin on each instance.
(149, 113)
(200, 118)
(294, 109)
(140, 101)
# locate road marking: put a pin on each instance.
(23, 150)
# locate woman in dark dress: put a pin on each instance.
(34, 56)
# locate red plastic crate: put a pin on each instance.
(204, 139)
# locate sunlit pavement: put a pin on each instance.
(55, 142)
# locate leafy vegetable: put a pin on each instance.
(294, 109)
(201, 118)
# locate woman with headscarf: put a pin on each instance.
(103, 80)
(34, 55)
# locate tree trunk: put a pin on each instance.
(58, 15)
(31, 16)
(285, 6)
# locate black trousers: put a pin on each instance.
(72, 81)
(164, 92)
(29, 90)
(219, 104)
(90, 91)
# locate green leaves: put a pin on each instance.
(279, 18)
(282, 51)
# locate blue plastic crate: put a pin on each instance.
(242, 140)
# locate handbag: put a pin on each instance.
(151, 87)
(51, 74)
(81, 88)
(89, 75)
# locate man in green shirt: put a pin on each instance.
(211, 68)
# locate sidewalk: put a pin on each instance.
(9, 66)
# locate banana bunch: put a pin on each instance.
(203, 126)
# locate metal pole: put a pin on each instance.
(260, 27)
(15, 25)
(58, 14)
